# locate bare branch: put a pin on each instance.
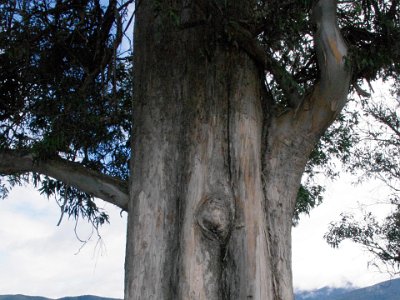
(285, 80)
(379, 116)
(335, 73)
(105, 187)
(360, 91)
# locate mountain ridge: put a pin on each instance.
(386, 290)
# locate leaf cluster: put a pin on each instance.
(372, 29)
(71, 201)
(380, 238)
(66, 89)
(285, 29)
(375, 155)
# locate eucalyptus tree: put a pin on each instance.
(231, 100)
(376, 153)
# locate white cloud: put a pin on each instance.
(39, 258)
(315, 263)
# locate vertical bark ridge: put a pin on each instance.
(155, 192)
(208, 197)
(247, 273)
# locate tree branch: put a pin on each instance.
(285, 80)
(380, 116)
(297, 131)
(102, 186)
(335, 73)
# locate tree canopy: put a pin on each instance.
(66, 86)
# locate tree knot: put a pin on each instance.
(214, 216)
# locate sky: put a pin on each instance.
(39, 258)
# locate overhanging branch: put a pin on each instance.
(105, 187)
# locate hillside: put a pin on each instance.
(387, 290)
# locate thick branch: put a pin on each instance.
(99, 185)
(293, 135)
(335, 74)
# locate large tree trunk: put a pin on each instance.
(214, 174)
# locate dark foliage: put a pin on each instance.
(65, 89)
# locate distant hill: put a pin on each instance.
(387, 290)
(323, 293)
(23, 297)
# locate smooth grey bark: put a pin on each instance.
(215, 174)
(105, 187)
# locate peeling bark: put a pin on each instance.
(335, 73)
(292, 136)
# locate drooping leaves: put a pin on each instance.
(375, 155)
